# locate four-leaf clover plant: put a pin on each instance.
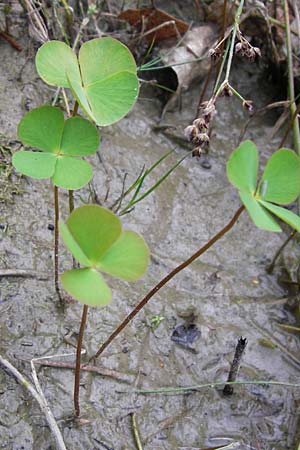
(60, 142)
(279, 185)
(95, 238)
(103, 78)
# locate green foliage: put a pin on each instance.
(103, 79)
(94, 236)
(61, 142)
(279, 184)
(138, 183)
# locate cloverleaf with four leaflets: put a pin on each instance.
(95, 238)
(280, 184)
(60, 142)
(103, 78)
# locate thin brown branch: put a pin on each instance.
(23, 273)
(11, 370)
(78, 359)
(11, 40)
(167, 278)
(99, 370)
(56, 243)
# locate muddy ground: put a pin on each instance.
(228, 290)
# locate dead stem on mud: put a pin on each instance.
(136, 432)
(167, 278)
(48, 361)
(38, 395)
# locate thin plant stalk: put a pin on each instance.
(39, 397)
(71, 201)
(291, 89)
(234, 31)
(231, 49)
(71, 193)
(56, 220)
(136, 432)
(290, 125)
(224, 24)
(270, 268)
(56, 242)
(167, 278)
(78, 360)
(196, 387)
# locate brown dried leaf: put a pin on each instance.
(196, 43)
(146, 19)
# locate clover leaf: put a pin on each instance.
(95, 238)
(279, 184)
(103, 79)
(61, 142)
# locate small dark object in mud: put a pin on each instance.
(205, 163)
(235, 366)
(186, 334)
(50, 227)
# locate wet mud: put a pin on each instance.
(227, 291)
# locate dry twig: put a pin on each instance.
(39, 397)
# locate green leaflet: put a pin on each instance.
(103, 79)
(60, 142)
(95, 238)
(279, 184)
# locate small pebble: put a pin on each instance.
(205, 163)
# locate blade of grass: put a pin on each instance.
(137, 184)
(148, 171)
(135, 200)
(160, 58)
(196, 387)
(176, 64)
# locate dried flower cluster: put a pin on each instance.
(246, 50)
(242, 48)
(215, 53)
(198, 132)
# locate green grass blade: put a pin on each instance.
(154, 186)
(147, 172)
(160, 58)
(183, 389)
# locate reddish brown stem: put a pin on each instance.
(78, 360)
(71, 201)
(202, 95)
(71, 194)
(56, 242)
(11, 40)
(168, 278)
(75, 109)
